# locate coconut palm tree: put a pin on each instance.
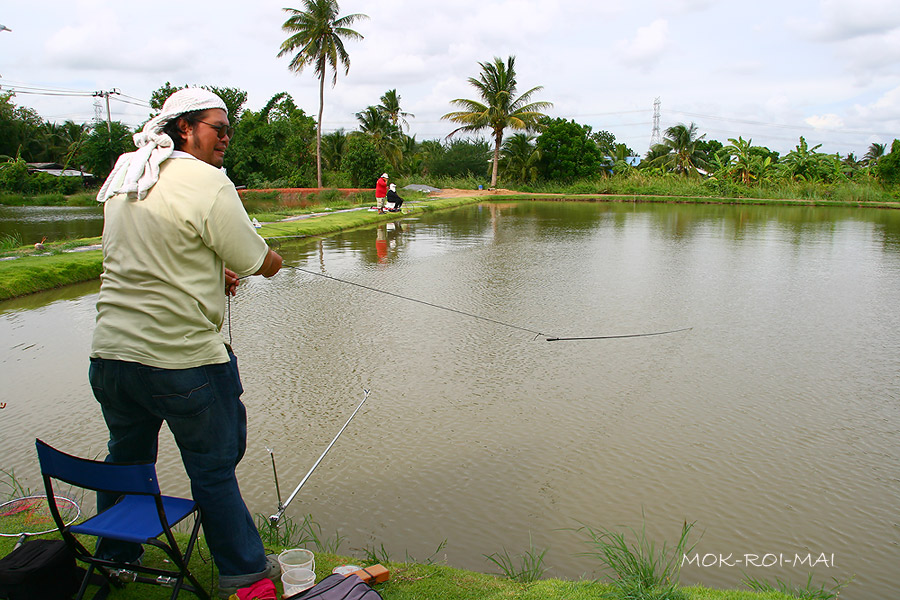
(499, 107)
(385, 136)
(874, 152)
(679, 151)
(390, 106)
(520, 157)
(333, 145)
(318, 34)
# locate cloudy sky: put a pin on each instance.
(768, 70)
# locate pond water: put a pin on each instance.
(32, 223)
(773, 424)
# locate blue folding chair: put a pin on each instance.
(142, 515)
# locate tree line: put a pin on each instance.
(281, 146)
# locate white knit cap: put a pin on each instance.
(136, 172)
(393, 187)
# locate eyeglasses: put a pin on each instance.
(221, 130)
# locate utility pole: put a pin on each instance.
(112, 158)
(108, 116)
(655, 136)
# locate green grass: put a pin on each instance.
(31, 274)
(643, 570)
(12, 199)
(418, 581)
(409, 580)
(805, 592)
(87, 198)
(82, 199)
(10, 242)
(525, 568)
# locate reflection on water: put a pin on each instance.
(33, 223)
(772, 423)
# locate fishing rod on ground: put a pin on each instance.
(273, 519)
(537, 334)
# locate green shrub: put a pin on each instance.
(336, 179)
(327, 196)
(860, 192)
(52, 199)
(363, 162)
(10, 241)
(13, 176)
(11, 199)
(82, 199)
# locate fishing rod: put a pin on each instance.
(273, 519)
(537, 334)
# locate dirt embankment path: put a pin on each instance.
(458, 193)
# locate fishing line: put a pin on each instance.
(612, 337)
(273, 519)
(537, 334)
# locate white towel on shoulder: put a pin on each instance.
(136, 172)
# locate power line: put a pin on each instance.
(24, 88)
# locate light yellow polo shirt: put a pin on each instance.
(162, 292)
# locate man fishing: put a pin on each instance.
(381, 192)
(394, 201)
(173, 221)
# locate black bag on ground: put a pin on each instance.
(338, 587)
(39, 569)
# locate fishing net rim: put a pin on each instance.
(59, 500)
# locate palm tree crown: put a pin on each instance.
(874, 152)
(317, 35)
(679, 150)
(390, 106)
(499, 107)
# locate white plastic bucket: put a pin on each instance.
(297, 580)
(297, 558)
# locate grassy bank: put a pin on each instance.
(53, 199)
(29, 270)
(430, 581)
(862, 190)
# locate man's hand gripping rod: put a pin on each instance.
(273, 519)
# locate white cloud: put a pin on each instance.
(688, 6)
(598, 60)
(870, 56)
(744, 68)
(841, 20)
(827, 121)
(647, 46)
(886, 109)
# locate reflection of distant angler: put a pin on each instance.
(381, 245)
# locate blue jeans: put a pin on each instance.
(203, 410)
